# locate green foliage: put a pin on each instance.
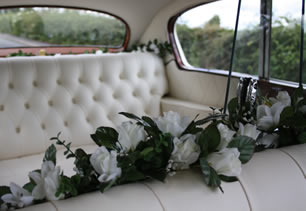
(106, 136)
(209, 47)
(211, 177)
(4, 190)
(50, 154)
(245, 145)
(209, 139)
(20, 53)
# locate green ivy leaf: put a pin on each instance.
(106, 136)
(211, 177)
(50, 154)
(209, 139)
(245, 145)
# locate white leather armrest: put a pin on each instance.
(183, 107)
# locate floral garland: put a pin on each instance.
(146, 148)
(139, 149)
(272, 122)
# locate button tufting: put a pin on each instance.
(58, 82)
(74, 101)
(95, 98)
(11, 86)
(50, 102)
(134, 94)
(115, 96)
(1, 107)
(35, 84)
(156, 73)
(80, 80)
(43, 126)
(139, 74)
(121, 76)
(101, 78)
(87, 119)
(17, 129)
(66, 123)
(27, 105)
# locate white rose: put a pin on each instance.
(130, 135)
(268, 117)
(18, 197)
(172, 122)
(105, 163)
(248, 130)
(226, 162)
(186, 151)
(47, 181)
(269, 140)
(226, 136)
(282, 97)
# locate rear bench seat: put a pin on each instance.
(41, 96)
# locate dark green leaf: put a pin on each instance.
(211, 177)
(66, 187)
(245, 145)
(130, 116)
(287, 137)
(228, 179)
(106, 136)
(151, 123)
(233, 105)
(29, 186)
(286, 114)
(209, 139)
(50, 154)
(4, 190)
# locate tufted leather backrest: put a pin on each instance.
(74, 94)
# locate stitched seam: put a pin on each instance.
(246, 195)
(158, 199)
(296, 162)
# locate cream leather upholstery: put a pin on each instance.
(40, 96)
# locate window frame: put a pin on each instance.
(67, 49)
(262, 75)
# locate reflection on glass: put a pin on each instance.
(43, 26)
(285, 37)
(206, 35)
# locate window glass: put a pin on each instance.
(206, 32)
(285, 40)
(43, 26)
